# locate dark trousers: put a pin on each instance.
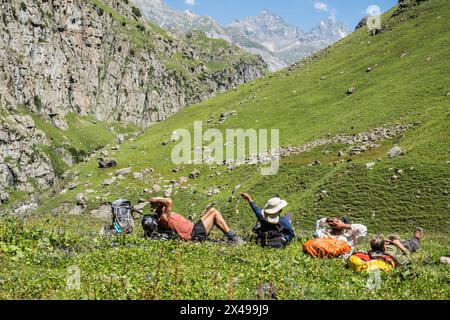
(412, 245)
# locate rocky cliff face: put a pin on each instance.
(103, 58)
(23, 166)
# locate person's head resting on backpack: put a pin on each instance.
(157, 208)
(378, 244)
(338, 225)
(272, 210)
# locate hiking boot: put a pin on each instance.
(236, 241)
(232, 238)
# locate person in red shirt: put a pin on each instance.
(187, 230)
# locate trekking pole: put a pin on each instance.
(138, 212)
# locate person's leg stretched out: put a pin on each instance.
(213, 218)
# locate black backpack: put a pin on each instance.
(152, 230)
(269, 235)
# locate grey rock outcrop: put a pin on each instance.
(77, 56)
(107, 163)
(123, 171)
(195, 174)
(404, 5)
(396, 152)
(81, 200)
(156, 188)
(24, 165)
(365, 141)
(362, 23)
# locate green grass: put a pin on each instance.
(305, 103)
(304, 108)
(36, 256)
(216, 66)
(210, 49)
(84, 134)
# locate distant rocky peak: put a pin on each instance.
(330, 27)
(266, 34)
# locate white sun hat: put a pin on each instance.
(271, 211)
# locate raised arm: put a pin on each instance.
(166, 202)
(255, 208)
(321, 228)
(398, 244)
(359, 231)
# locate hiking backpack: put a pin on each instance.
(326, 248)
(365, 262)
(269, 235)
(122, 218)
(154, 231)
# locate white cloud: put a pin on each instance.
(320, 6)
(190, 2)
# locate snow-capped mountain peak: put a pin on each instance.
(267, 34)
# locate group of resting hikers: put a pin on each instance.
(334, 237)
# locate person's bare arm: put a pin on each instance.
(399, 245)
(338, 224)
(255, 208)
(167, 203)
(246, 197)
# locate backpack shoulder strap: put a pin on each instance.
(383, 256)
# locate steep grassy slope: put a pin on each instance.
(35, 261)
(409, 83)
(84, 66)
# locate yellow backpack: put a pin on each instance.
(362, 262)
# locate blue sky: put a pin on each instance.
(302, 13)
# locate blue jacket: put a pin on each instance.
(287, 231)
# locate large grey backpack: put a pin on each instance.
(122, 218)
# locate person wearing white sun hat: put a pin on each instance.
(272, 210)
(272, 229)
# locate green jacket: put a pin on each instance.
(401, 257)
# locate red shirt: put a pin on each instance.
(182, 226)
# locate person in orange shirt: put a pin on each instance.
(187, 230)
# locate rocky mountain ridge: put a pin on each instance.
(103, 58)
(100, 59)
(267, 34)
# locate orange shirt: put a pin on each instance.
(182, 226)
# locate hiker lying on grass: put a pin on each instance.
(393, 248)
(385, 254)
(340, 229)
(401, 249)
(412, 245)
(272, 229)
(187, 230)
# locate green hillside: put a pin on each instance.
(408, 83)
(310, 102)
